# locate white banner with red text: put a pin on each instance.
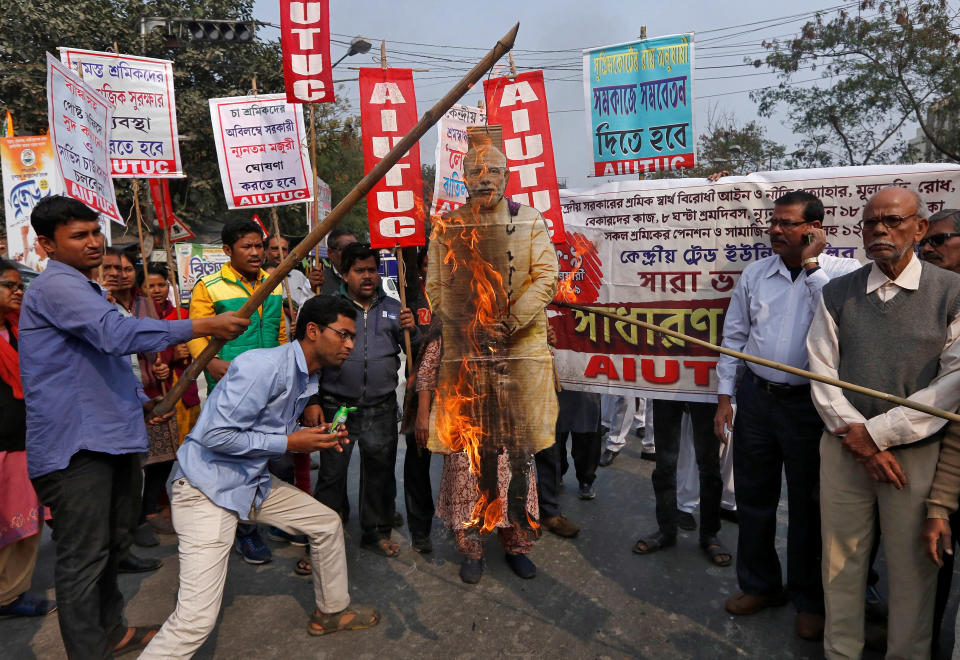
(670, 251)
(80, 131)
(143, 136)
(449, 188)
(262, 151)
(388, 110)
(519, 105)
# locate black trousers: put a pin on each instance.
(155, 478)
(774, 434)
(551, 466)
(95, 502)
(373, 429)
(667, 416)
(417, 490)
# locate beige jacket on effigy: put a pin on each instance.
(518, 249)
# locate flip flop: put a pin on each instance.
(137, 642)
(379, 547)
(303, 567)
(355, 617)
(715, 550)
(656, 541)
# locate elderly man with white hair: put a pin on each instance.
(890, 326)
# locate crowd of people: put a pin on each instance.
(107, 341)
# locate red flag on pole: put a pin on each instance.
(520, 106)
(163, 206)
(388, 110)
(305, 41)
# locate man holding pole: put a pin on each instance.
(85, 411)
(227, 290)
(891, 326)
(777, 427)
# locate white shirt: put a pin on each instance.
(300, 290)
(900, 425)
(769, 314)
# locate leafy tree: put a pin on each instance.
(202, 70)
(881, 67)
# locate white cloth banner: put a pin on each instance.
(80, 129)
(670, 251)
(143, 139)
(449, 188)
(262, 150)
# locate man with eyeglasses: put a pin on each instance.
(337, 241)
(777, 428)
(891, 326)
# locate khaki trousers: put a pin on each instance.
(17, 561)
(848, 497)
(206, 534)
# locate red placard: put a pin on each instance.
(520, 106)
(163, 206)
(305, 40)
(388, 110)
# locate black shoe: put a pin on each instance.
(686, 521)
(587, 492)
(522, 566)
(607, 457)
(144, 536)
(729, 515)
(130, 563)
(648, 456)
(422, 544)
(471, 570)
(397, 521)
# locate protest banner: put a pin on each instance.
(324, 199)
(670, 252)
(305, 41)
(449, 189)
(519, 105)
(640, 96)
(29, 175)
(80, 121)
(163, 207)
(261, 150)
(195, 260)
(388, 110)
(143, 137)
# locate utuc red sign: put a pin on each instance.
(388, 110)
(305, 40)
(520, 106)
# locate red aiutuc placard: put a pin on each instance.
(305, 40)
(388, 110)
(520, 105)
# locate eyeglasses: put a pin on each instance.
(784, 224)
(344, 335)
(937, 239)
(889, 221)
(12, 286)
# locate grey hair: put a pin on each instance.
(947, 214)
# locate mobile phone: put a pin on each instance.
(808, 238)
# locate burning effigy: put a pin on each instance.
(492, 271)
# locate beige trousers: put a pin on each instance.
(206, 534)
(16, 567)
(848, 495)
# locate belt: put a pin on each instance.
(779, 389)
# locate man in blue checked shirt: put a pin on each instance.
(251, 417)
(85, 413)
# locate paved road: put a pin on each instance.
(592, 598)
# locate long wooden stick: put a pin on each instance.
(286, 280)
(359, 191)
(402, 279)
(900, 401)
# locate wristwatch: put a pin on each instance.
(810, 260)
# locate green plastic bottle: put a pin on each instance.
(340, 418)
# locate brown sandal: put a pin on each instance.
(355, 617)
(303, 567)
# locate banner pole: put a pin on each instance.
(358, 192)
(900, 401)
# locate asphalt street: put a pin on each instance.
(592, 598)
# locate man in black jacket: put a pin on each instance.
(368, 381)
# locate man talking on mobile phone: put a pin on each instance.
(250, 417)
(777, 428)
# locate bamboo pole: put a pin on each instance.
(900, 401)
(286, 281)
(359, 191)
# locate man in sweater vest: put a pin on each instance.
(890, 326)
(227, 290)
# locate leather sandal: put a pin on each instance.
(656, 541)
(719, 555)
(355, 617)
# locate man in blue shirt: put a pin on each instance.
(251, 417)
(85, 412)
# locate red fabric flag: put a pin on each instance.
(163, 206)
(520, 106)
(388, 110)
(305, 41)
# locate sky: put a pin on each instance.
(449, 38)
